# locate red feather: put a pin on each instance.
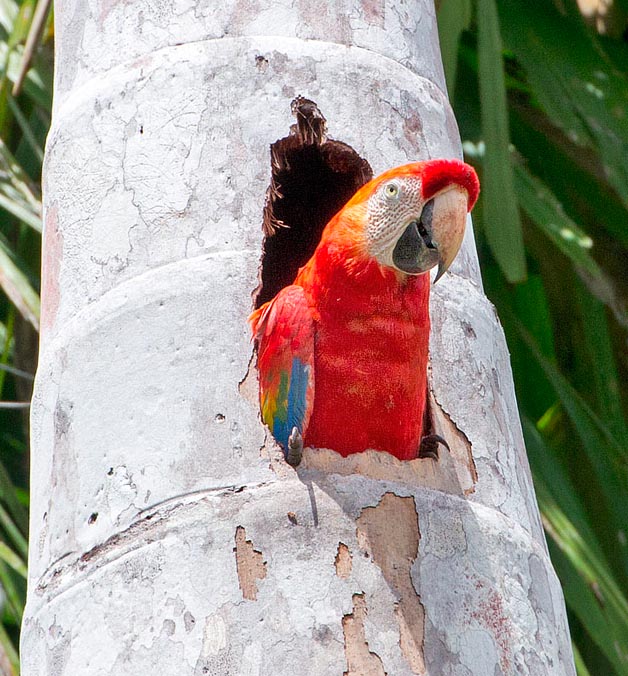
(438, 174)
(370, 360)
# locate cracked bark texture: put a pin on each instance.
(148, 452)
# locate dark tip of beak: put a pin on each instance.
(441, 270)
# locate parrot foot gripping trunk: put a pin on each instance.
(428, 448)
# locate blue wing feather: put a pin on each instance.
(284, 331)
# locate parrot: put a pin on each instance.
(342, 352)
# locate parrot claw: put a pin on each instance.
(295, 448)
(428, 448)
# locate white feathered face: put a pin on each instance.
(410, 234)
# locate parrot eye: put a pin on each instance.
(391, 190)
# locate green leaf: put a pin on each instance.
(529, 302)
(605, 454)
(581, 667)
(575, 84)
(12, 559)
(602, 369)
(583, 603)
(595, 582)
(572, 173)
(601, 604)
(37, 85)
(10, 201)
(16, 35)
(8, 13)
(19, 541)
(591, 429)
(13, 591)
(9, 651)
(7, 342)
(548, 469)
(18, 512)
(531, 306)
(16, 191)
(546, 212)
(454, 16)
(17, 287)
(19, 194)
(29, 134)
(501, 215)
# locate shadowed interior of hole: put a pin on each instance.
(311, 182)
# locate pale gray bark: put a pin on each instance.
(167, 536)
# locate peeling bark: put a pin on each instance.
(250, 564)
(459, 445)
(389, 533)
(360, 660)
(443, 474)
(343, 561)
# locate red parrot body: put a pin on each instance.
(371, 353)
(343, 352)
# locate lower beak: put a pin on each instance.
(435, 237)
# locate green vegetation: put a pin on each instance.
(541, 98)
(542, 102)
(24, 122)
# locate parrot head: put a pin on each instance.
(415, 215)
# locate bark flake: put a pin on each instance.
(250, 565)
(389, 534)
(343, 561)
(360, 660)
(438, 421)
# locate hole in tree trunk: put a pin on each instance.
(313, 176)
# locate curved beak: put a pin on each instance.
(448, 224)
(436, 236)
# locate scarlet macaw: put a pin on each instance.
(343, 351)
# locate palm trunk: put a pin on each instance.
(167, 535)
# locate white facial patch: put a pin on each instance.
(390, 209)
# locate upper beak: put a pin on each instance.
(448, 224)
(436, 236)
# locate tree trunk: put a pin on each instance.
(167, 534)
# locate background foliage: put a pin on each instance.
(541, 96)
(24, 122)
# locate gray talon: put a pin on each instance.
(429, 446)
(295, 448)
